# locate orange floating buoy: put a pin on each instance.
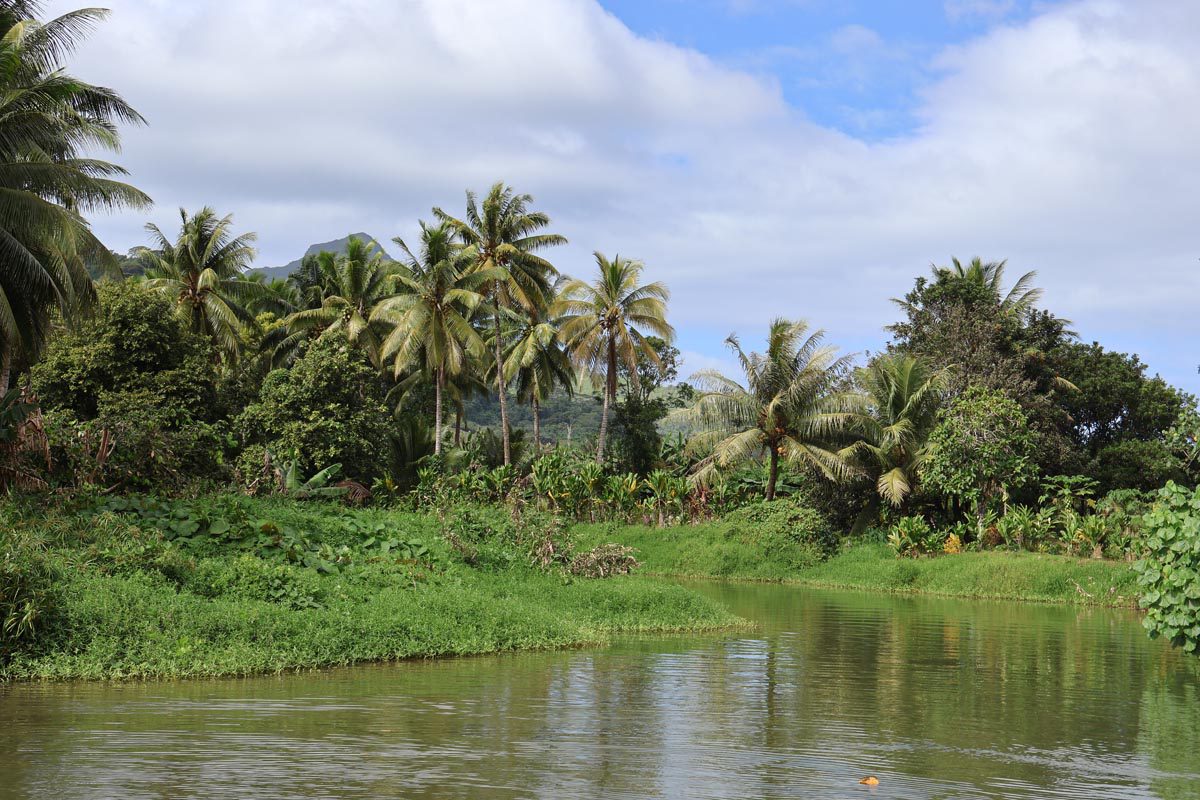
(870, 780)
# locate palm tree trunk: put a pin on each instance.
(537, 423)
(610, 393)
(458, 423)
(773, 474)
(5, 366)
(500, 388)
(437, 413)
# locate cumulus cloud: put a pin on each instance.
(1066, 143)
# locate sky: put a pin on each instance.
(765, 158)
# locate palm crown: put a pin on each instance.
(602, 321)
(787, 409)
(505, 236)
(47, 118)
(203, 270)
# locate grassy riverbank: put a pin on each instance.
(716, 550)
(118, 601)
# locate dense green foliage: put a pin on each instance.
(328, 408)
(981, 448)
(986, 425)
(51, 126)
(131, 397)
(233, 586)
(1169, 571)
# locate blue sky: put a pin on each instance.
(796, 158)
(854, 65)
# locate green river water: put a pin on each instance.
(940, 699)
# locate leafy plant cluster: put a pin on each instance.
(1068, 520)
(225, 524)
(485, 539)
(1169, 571)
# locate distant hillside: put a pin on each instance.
(336, 246)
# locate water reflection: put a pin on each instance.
(940, 699)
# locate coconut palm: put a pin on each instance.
(47, 117)
(203, 270)
(600, 323)
(1018, 300)
(506, 236)
(352, 285)
(902, 397)
(788, 410)
(537, 361)
(431, 319)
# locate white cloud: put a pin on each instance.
(1066, 144)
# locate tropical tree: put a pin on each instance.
(981, 449)
(506, 236)
(902, 397)
(203, 271)
(47, 118)
(601, 322)
(537, 361)
(788, 410)
(1019, 299)
(352, 285)
(431, 320)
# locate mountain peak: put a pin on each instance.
(333, 246)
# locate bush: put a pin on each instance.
(327, 409)
(1169, 571)
(131, 396)
(914, 536)
(799, 534)
(28, 591)
(981, 448)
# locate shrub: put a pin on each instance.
(131, 396)
(1169, 571)
(327, 409)
(795, 532)
(247, 577)
(908, 536)
(980, 449)
(28, 591)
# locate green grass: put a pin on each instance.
(129, 607)
(707, 551)
(993, 575)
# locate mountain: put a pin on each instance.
(336, 246)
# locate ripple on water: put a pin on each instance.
(940, 699)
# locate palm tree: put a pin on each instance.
(431, 321)
(47, 117)
(352, 285)
(600, 324)
(538, 363)
(203, 270)
(506, 236)
(1018, 300)
(787, 410)
(902, 397)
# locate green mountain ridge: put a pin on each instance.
(334, 246)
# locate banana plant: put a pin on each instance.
(666, 491)
(293, 484)
(621, 493)
(588, 486)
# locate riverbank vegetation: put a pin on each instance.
(137, 588)
(985, 424)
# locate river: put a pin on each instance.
(940, 699)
